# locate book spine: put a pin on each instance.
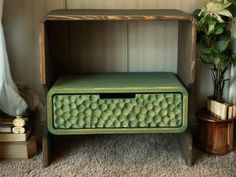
(217, 109)
(5, 129)
(18, 150)
(230, 112)
(223, 111)
(234, 111)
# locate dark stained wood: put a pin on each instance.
(215, 136)
(46, 150)
(60, 52)
(186, 52)
(161, 14)
(97, 46)
(49, 70)
(46, 141)
(42, 54)
(58, 49)
(185, 142)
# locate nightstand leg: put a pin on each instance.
(46, 150)
(46, 140)
(185, 143)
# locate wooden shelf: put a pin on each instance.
(161, 14)
(66, 24)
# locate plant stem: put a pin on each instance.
(219, 83)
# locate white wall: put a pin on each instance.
(187, 6)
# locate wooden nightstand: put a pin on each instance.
(215, 135)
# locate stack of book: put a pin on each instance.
(16, 140)
(222, 111)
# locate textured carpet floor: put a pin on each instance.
(121, 155)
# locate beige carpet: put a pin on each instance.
(121, 155)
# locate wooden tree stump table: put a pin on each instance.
(215, 135)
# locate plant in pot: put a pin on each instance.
(214, 22)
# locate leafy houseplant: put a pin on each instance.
(214, 36)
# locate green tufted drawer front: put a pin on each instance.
(116, 103)
(90, 111)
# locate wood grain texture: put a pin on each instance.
(79, 47)
(98, 47)
(117, 14)
(57, 41)
(187, 52)
(42, 54)
(39, 9)
(104, 45)
(153, 46)
(215, 136)
(46, 146)
(185, 142)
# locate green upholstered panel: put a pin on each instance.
(145, 110)
(158, 104)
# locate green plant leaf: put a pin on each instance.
(220, 28)
(206, 50)
(217, 9)
(224, 57)
(233, 1)
(211, 26)
(201, 13)
(214, 52)
(218, 18)
(222, 44)
(219, 31)
(226, 13)
(224, 65)
(205, 59)
(217, 6)
(196, 13)
(214, 34)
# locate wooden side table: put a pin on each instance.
(215, 135)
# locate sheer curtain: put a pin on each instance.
(232, 86)
(11, 102)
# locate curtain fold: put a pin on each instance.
(11, 102)
(232, 85)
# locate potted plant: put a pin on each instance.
(214, 22)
